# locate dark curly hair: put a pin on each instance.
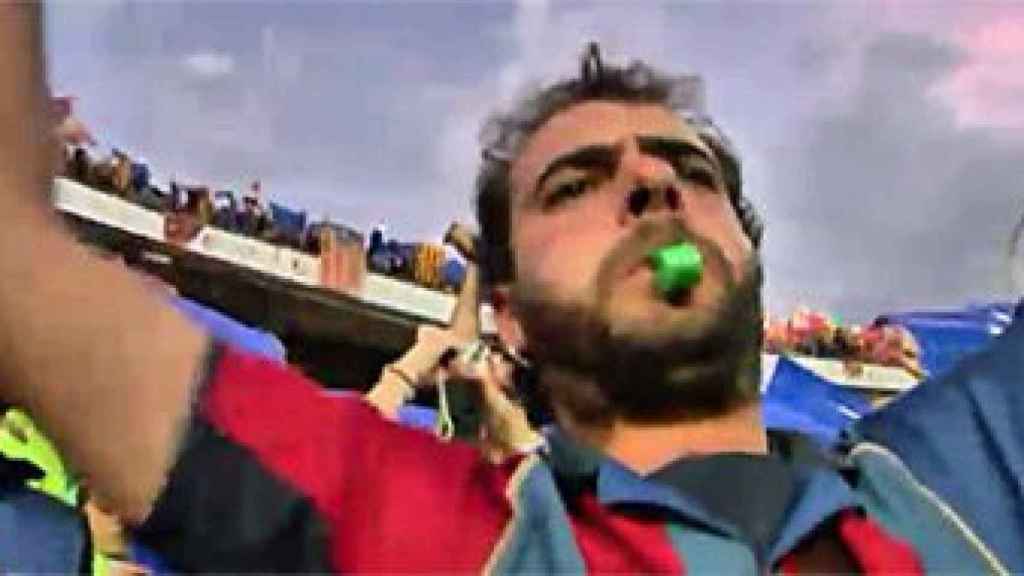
(504, 134)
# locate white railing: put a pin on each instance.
(281, 262)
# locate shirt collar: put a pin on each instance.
(822, 491)
(578, 466)
(822, 494)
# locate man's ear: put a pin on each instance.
(510, 331)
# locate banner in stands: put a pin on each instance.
(342, 261)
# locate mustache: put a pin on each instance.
(647, 236)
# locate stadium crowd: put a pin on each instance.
(189, 207)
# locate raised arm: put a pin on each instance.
(103, 366)
(419, 365)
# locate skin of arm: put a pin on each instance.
(507, 429)
(418, 366)
(103, 366)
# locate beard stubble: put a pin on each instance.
(685, 367)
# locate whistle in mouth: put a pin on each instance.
(677, 267)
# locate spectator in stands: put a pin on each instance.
(225, 211)
(202, 200)
(480, 377)
(80, 165)
(102, 175)
(253, 219)
(152, 198)
(121, 177)
(376, 240)
(660, 462)
(288, 225)
(377, 258)
(174, 192)
(140, 176)
(144, 192)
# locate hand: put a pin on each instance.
(421, 362)
(489, 370)
(462, 240)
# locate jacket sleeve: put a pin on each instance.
(275, 476)
(962, 436)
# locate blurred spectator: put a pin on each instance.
(253, 220)
(225, 210)
(376, 240)
(191, 209)
(288, 225)
(79, 165)
(812, 333)
(101, 176)
(174, 191)
(203, 202)
(151, 197)
(140, 175)
(121, 174)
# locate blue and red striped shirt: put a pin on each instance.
(275, 477)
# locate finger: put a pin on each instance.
(439, 376)
(448, 357)
(459, 369)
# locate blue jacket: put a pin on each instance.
(960, 438)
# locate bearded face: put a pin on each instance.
(596, 189)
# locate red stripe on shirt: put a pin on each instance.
(622, 544)
(394, 499)
(876, 550)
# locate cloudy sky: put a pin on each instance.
(883, 141)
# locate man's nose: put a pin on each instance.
(651, 186)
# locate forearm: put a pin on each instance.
(102, 366)
(506, 422)
(465, 318)
(101, 363)
(389, 394)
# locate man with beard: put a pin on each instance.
(659, 461)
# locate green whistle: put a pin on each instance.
(677, 267)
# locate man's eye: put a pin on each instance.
(566, 191)
(700, 176)
(698, 172)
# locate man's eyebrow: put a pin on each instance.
(672, 148)
(591, 156)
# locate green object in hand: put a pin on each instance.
(677, 267)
